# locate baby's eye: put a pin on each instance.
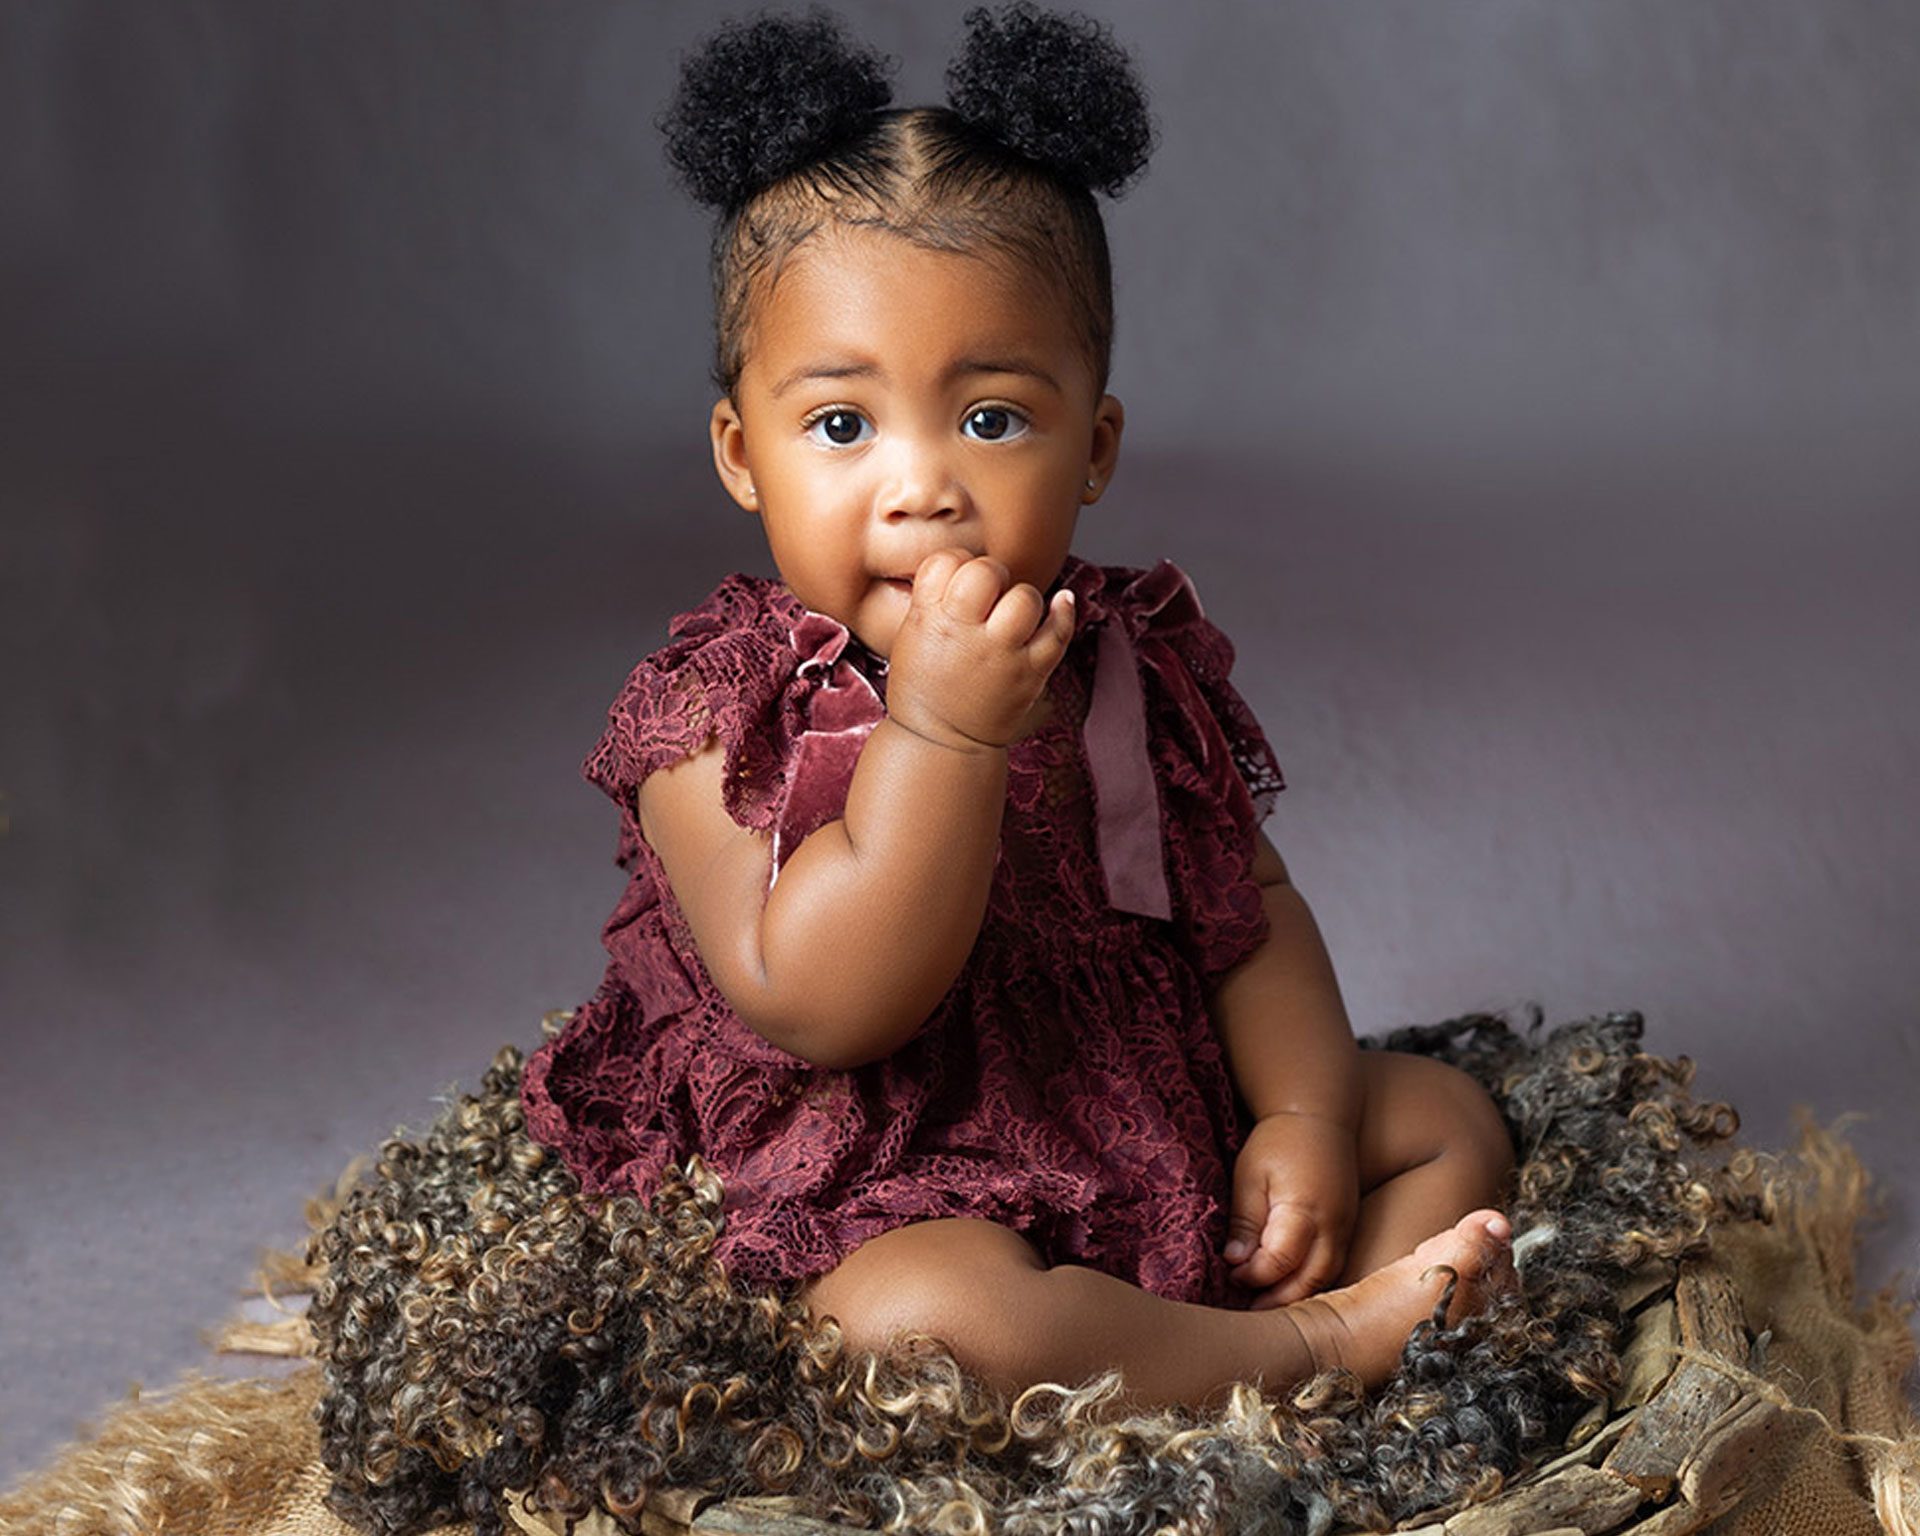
(838, 428)
(994, 424)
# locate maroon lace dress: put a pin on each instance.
(1070, 1085)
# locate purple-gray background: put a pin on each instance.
(1529, 388)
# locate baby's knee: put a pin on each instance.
(1474, 1129)
(1433, 1111)
(943, 1280)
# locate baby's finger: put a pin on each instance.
(974, 589)
(1016, 615)
(1316, 1272)
(1050, 640)
(1247, 1215)
(1285, 1242)
(932, 576)
(1261, 1273)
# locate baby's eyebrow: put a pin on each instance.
(808, 372)
(1019, 366)
(962, 368)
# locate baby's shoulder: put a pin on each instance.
(1191, 706)
(739, 638)
(1156, 605)
(741, 610)
(723, 662)
(738, 671)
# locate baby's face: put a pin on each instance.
(896, 401)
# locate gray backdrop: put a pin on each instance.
(1529, 387)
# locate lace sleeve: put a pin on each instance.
(726, 675)
(1218, 775)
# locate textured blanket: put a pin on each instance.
(494, 1353)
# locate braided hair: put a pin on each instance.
(782, 126)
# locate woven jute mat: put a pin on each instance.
(1756, 1399)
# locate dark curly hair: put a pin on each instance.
(487, 1328)
(780, 125)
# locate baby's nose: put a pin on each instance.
(922, 484)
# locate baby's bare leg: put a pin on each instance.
(983, 1291)
(1432, 1147)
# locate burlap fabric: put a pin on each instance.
(1814, 1436)
(1857, 1472)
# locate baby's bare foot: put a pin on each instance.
(1364, 1327)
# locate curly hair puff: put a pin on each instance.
(486, 1328)
(1056, 88)
(778, 125)
(764, 97)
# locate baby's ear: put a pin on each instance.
(1109, 423)
(730, 454)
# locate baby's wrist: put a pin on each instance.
(947, 737)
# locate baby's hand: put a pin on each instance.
(974, 652)
(1296, 1193)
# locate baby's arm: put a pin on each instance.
(874, 914)
(1296, 1185)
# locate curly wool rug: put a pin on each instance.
(495, 1354)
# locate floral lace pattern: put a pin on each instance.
(1069, 1086)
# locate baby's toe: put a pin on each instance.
(1478, 1250)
